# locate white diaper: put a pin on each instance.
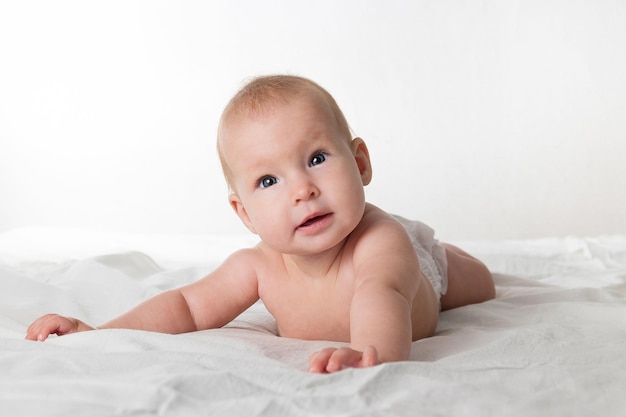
(431, 254)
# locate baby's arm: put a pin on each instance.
(167, 312)
(208, 303)
(386, 268)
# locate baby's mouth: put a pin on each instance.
(313, 220)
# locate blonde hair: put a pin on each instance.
(263, 93)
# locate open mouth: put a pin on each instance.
(313, 220)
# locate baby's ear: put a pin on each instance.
(237, 205)
(362, 158)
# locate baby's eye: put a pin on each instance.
(317, 159)
(267, 181)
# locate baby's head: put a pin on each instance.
(262, 95)
(295, 174)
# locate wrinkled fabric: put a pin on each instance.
(551, 343)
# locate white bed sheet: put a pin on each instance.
(550, 344)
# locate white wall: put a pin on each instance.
(486, 119)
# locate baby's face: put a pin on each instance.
(296, 179)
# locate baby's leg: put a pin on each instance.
(469, 280)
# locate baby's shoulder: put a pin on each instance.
(258, 258)
(383, 250)
(245, 260)
(378, 221)
(379, 229)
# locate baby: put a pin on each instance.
(329, 265)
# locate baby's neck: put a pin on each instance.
(316, 266)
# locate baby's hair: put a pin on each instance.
(263, 93)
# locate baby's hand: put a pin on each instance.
(54, 324)
(332, 359)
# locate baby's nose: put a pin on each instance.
(305, 190)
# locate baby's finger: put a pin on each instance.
(48, 327)
(319, 360)
(33, 331)
(38, 321)
(370, 357)
(343, 358)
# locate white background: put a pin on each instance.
(485, 119)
